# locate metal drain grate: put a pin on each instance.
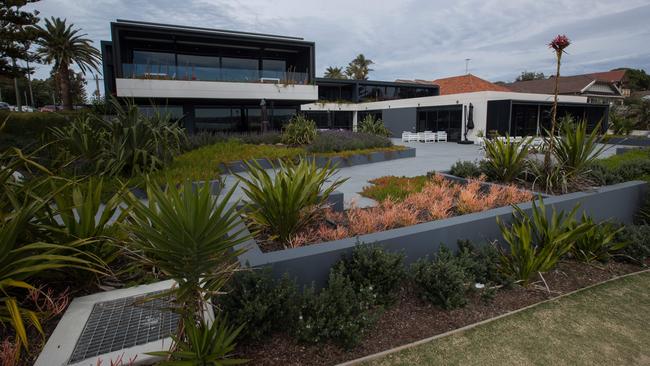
(118, 324)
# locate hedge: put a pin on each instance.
(24, 129)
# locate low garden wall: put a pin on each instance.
(630, 140)
(341, 161)
(311, 264)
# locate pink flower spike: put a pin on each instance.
(560, 42)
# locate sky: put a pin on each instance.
(407, 39)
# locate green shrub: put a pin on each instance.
(601, 174)
(637, 238)
(465, 169)
(261, 303)
(372, 125)
(576, 149)
(299, 131)
(373, 268)
(339, 312)
(442, 281)
(536, 243)
(337, 141)
(505, 160)
(292, 199)
(598, 242)
(481, 263)
(620, 124)
(27, 130)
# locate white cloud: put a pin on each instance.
(409, 39)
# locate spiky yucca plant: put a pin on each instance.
(506, 159)
(290, 200)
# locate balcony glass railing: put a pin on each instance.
(171, 72)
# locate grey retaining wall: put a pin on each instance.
(312, 263)
(352, 160)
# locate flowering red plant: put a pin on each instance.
(559, 43)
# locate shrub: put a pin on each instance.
(505, 159)
(598, 242)
(481, 263)
(369, 124)
(290, 200)
(601, 174)
(204, 138)
(637, 238)
(262, 304)
(373, 268)
(337, 141)
(339, 312)
(620, 124)
(442, 281)
(536, 244)
(267, 138)
(299, 131)
(466, 169)
(27, 130)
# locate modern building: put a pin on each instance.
(226, 81)
(596, 90)
(491, 112)
(214, 79)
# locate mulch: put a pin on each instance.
(412, 319)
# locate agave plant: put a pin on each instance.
(536, 243)
(299, 131)
(290, 200)
(506, 159)
(575, 150)
(189, 236)
(202, 344)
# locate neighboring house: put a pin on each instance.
(616, 77)
(597, 91)
(466, 84)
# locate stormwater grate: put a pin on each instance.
(118, 324)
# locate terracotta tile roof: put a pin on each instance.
(609, 76)
(567, 85)
(466, 84)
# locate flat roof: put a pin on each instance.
(371, 82)
(223, 32)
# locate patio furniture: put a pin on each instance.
(442, 136)
(420, 136)
(480, 141)
(429, 136)
(405, 136)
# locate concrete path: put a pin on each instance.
(438, 156)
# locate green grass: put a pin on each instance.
(397, 188)
(605, 325)
(615, 160)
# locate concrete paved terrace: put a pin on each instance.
(439, 156)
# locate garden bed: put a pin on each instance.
(311, 263)
(412, 319)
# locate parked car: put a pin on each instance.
(4, 106)
(51, 108)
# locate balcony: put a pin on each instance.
(165, 81)
(195, 73)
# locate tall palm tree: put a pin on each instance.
(64, 46)
(359, 67)
(333, 72)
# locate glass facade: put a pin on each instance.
(356, 91)
(443, 118)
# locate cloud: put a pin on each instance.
(408, 39)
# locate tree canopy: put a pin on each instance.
(17, 33)
(530, 75)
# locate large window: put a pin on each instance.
(443, 118)
(239, 69)
(153, 58)
(524, 120)
(222, 119)
(280, 116)
(274, 69)
(193, 67)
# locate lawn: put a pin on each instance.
(605, 325)
(634, 154)
(396, 188)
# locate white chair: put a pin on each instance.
(412, 137)
(442, 136)
(405, 136)
(518, 139)
(480, 141)
(420, 136)
(429, 136)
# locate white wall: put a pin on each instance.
(142, 88)
(478, 99)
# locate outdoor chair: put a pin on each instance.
(429, 136)
(420, 136)
(405, 136)
(442, 136)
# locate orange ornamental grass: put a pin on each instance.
(438, 199)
